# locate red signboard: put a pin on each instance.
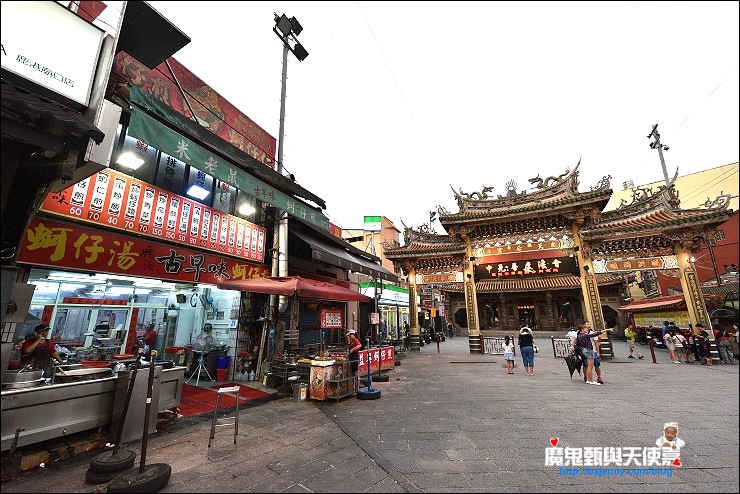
(210, 109)
(331, 318)
(118, 201)
(61, 245)
(379, 359)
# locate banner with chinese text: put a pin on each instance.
(62, 245)
(122, 202)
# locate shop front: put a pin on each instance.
(99, 290)
(393, 305)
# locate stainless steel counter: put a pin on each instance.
(58, 410)
(55, 411)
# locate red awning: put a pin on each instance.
(670, 302)
(295, 285)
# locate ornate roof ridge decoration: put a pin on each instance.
(643, 199)
(424, 234)
(546, 190)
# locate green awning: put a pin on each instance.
(167, 140)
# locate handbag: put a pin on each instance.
(536, 349)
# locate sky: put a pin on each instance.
(400, 102)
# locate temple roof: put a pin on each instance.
(554, 194)
(652, 216)
(533, 283)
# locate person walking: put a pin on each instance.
(526, 346)
(450, 330)
(702, 338)
(678, 341)
(690, 348)
(509, 354)
(584, 342)
(630, 336)
(670, 345)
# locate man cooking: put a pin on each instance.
(39, 349)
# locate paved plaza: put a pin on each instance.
(456, 422)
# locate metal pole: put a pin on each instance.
(280, 232)
(662, 161)
(152, 355)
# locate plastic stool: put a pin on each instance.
(230, 391)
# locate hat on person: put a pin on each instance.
(349, 332)
(41, 327)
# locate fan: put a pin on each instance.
(208, 304)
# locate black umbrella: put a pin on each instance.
(574, 364)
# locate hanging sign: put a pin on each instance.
(62, 245)
(331, 318)
(526, 268)
(118, 201)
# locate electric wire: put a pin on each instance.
(390, 71)
(696, 109)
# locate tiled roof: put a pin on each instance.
(721, 290)
(534, 206)
(657, 219)
(533, 283)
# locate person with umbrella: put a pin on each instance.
(583, 341)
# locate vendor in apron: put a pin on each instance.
(38, 350)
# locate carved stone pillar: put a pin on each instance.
(692, 293)
(413, 311)
(589, 287)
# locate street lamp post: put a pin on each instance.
(286, 29)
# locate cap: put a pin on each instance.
(351, 331)
(41, 327)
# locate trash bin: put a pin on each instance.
(223, 362)
(222, 375)
(300, 392)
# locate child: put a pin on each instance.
(670, 437)
(509, 354)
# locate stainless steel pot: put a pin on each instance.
(14, 376)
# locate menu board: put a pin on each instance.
(118, 201)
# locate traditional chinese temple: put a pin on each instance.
(552, 257)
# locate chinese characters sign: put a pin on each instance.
(60, 245)
(638, 264)
(535, 266)
(510, 249)
(119, 201)
(210, 109)
(330, 318)
(379, 359)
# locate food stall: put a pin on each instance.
(79, 399)
(325, 365)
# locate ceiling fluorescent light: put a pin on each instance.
(129, 160)
(198, 192)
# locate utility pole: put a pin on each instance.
(660, 147)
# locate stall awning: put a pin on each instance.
(332, 254)
(669, 302)
(295, 285)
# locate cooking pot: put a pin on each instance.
(14, 376)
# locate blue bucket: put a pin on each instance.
(223, 362)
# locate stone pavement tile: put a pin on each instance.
(469, 466)
(388, 484)
(433, 482)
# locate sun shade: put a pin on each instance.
(295, 285)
